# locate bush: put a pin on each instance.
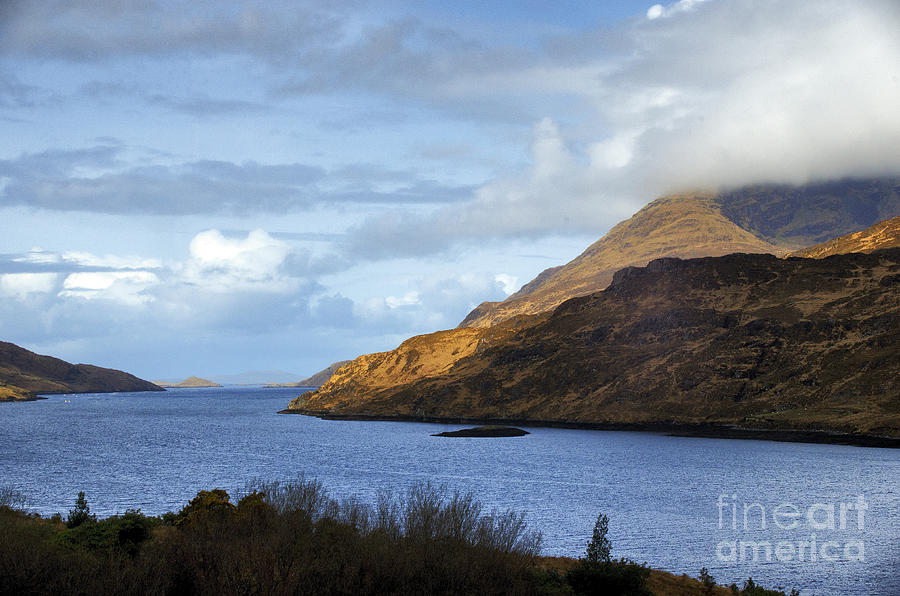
(622, 578)
(121, 533)
(279, 538)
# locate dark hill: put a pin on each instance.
(44, 374)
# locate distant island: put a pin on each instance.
(189, 382)
(24, 375)
(484, 431)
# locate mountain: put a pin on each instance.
(884, 234)
(742, 339)
(34, 373)
(680, 225)
(754, 219)
(190, 382)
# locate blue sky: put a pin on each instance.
(207, 188)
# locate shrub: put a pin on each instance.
(622, 578)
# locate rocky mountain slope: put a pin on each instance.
(884, 234)
(752, 340)
(34, 373)
(684, 226)
(755, 219)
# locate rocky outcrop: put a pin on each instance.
(750, 340)
(34, 373)
(490, 431)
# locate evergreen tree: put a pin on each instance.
(599, 547)
(81, 513)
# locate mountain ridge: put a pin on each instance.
(35, 373)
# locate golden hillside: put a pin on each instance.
(884, 234)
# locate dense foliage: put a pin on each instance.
(293, 538)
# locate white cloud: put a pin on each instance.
(126, 287)
(22, 285)
(658, 10)
(701, 95)
(509, 283)
(221, 264)
(408, 299)
(111, 261)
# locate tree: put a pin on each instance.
(599, 547)
(708, 581)
(81, 513)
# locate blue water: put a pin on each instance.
(156, 450)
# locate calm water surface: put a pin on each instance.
(669, 499)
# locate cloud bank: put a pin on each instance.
(697, 95)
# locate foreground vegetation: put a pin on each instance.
(292, 538)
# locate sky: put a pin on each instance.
(205, 188)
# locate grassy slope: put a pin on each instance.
(11, 393)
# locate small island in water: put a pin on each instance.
(484, 431)
(190, 382)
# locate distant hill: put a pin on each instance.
(190, 382)
(750, 340)
(884, 234)
(28, 372)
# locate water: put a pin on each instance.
(156, 450)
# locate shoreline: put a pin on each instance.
(21, 399)
(672, 429)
